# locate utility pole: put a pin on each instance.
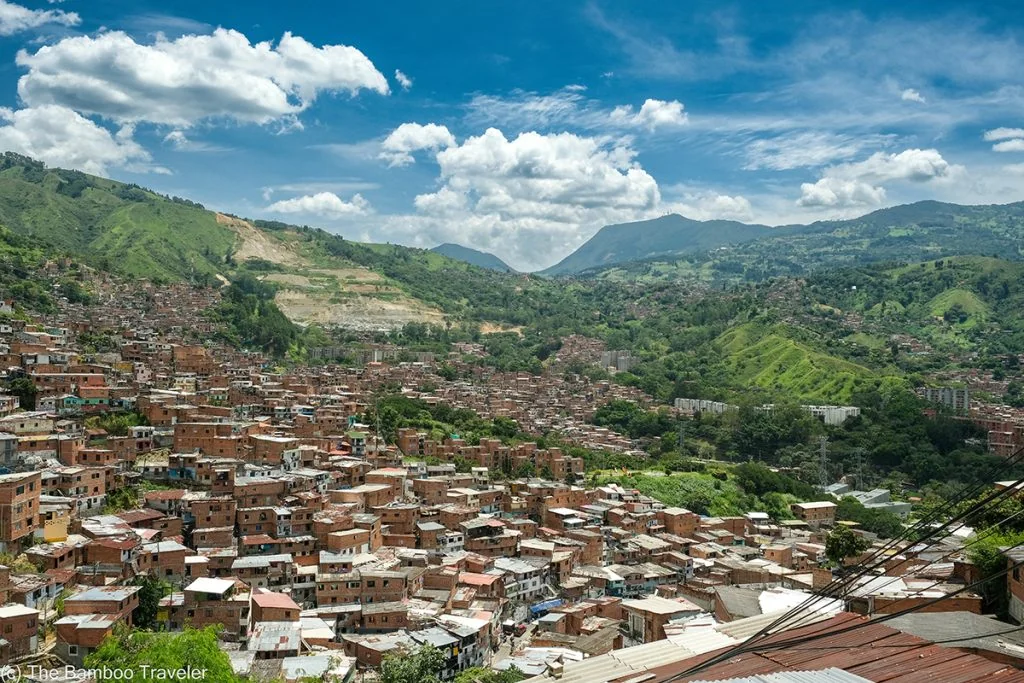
(823, 462)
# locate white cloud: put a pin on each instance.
(568, 106)
(398, 147)
(860, 183)
(315, 186)
(322, 204)
(652, 115)
(64, 138)
(182, 143)
(1013, 145)
(1003, 134)
(805, 149)
(195, 77)
(839, 192)
(522, 108)
(403, 80)
(442, 203)
(15, 18)
(531, 198)
(703, 204)
(911, 95)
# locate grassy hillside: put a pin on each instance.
(118, 227)
(768, 358)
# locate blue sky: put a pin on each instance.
(522, 128)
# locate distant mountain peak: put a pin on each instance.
(668, 234)
(475, 257)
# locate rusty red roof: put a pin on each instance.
(172, 494)
(258, 539)
(873, 651)
(269, 599)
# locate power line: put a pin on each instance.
(749, 644)
(841, 585)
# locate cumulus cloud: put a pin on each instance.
(444, 202)
(62, 137)
(1012, 145)
(403, 80)
(180, 82)
(703, 204)
(322, 204)
(532, 197)
(840, 192)
(1003, 134)
(911, 95)
(861, 183)
(653, 114)
(398, 147)
(15, 18)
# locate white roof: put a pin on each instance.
(207, 585)
(16, 611)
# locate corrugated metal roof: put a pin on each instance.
(832, 675)
(872, 651)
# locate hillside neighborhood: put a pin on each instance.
(258, 501)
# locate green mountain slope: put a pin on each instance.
(644, 239)
(481, 259)
(122, 228)
(320, 277)
(771, 359)
(913, 232)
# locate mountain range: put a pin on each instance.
(674, 247)
(670, 234)
(786, 338)
(134, 232)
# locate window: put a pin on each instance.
(8, 628)
(73, 650)
(20, 490)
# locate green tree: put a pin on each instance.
(479, 674)
(25, 389)
(422, 666)
(843, 543)
(525, 471)
(987, 556)
(198, 650)
(119, 500)
(153, 590)
(447, 371)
